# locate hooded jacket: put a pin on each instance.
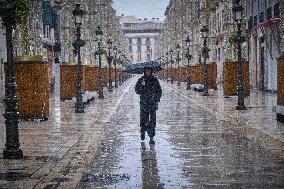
(150, 94)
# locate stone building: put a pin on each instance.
(265, 41)
(142, 37)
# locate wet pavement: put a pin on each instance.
(195, 147)
(193, 150)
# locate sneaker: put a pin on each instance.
(151, 141)
(142, 136)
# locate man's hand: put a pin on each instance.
(143, 82)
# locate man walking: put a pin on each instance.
(149, 89)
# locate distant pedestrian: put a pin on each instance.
(149, 89)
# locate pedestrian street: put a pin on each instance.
(102, 149)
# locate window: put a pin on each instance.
(255, 20)
(130, 48)
(139, 57)
(46, 32)
(276, 10)
(148, 56)
(250, 22)
(139, 49)
(148, 42)
(261, 17)
(148, 48)
(130, 41)
(268, 13)
(218, 24)
(139, 41)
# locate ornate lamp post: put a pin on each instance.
(172, 62)
(167, 73)
(178, 60)
(99, 34)
(238, 12)
(110, 58)
(12, 146)
(78, 14)
(115, 66)
(123, 65)
(205, 52)
(188, 56)
(119, 61)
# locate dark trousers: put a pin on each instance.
(148, 122)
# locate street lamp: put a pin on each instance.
(178, 60)
(120, 62)
(238, 11)
(99, 34)
(12, 146)
(123, 65)
(78, 43)
(110, 58)
(188, 56)
(115, 66)
(172, 62)
(205, 52)
(167, 73)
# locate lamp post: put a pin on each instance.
(205, 51)
(119, 61)
(172, 62)
(12, 146)
(188, 56)
(238, 11)
(167, 73)
(110, 58)
(123, 65)
(78, 14)
(99, 34)
(115, 66)
(178, 60)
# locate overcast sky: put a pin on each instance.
(141, 8)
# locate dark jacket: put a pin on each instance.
(150, 94)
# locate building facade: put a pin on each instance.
(262, 27)
(142, 37)
(265, 41)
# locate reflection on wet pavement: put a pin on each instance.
(193, 150)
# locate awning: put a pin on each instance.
(272, 21)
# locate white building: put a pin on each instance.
(142, 37)
(265, 29)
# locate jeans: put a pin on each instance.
(148, 122)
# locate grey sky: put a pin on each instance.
(141, 8)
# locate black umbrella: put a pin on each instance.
(138, 68)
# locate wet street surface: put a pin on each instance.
(196, 146)
(193, 149)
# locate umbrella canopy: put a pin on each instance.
(138, 68)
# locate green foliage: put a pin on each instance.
(233, 39)
(103, 51)
(22, 10)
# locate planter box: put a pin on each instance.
(280, 89)
(183, 74)
(105, 76)
(68, 81)
(231, 80)
(196, 74)
(91, 79)
(32, 80)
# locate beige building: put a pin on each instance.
(142, 35)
